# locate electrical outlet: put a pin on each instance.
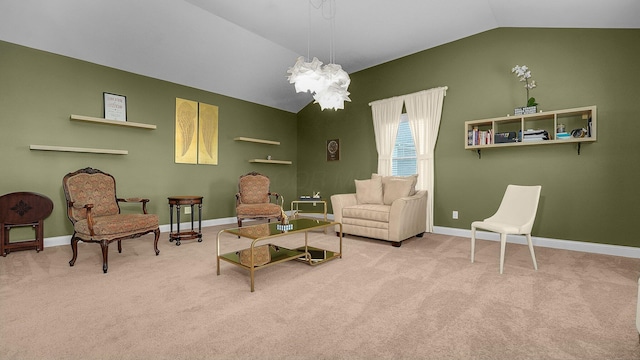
(187, 210)
(455, 214)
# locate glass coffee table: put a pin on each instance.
(262, 253)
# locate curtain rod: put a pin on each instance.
(418, 92)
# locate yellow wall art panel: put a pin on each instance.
(186, 149)
(208, 134)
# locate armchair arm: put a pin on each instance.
(408, 216)
(340, 201)
(136, 199)
(89, 216)
(277, 196)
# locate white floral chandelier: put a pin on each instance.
(328, 84)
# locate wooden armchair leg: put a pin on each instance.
(155, 242)
(74, 248)
(105, 254)
(119, 246)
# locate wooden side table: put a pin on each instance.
(23, 209)
(179, 201)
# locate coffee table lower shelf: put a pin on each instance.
(277, 254)
(314, 256)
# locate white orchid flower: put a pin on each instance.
(524, 74)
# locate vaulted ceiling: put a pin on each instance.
(243, 48)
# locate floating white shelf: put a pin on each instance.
(265, 161)
(77, 149)
(261, 141)
(112, 122)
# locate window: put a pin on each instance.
(404, 151)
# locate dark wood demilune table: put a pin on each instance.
(23, 209)
(179, 201)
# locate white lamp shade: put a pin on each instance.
(328, 83)
(307, 76)
(337, 75)
(333, 97)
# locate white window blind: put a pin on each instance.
(404, 151)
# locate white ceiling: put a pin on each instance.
(243, 48)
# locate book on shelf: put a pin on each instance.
(479, 137)
(535, 134)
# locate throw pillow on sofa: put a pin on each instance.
(395, 189)
(413, 179)
(369, 191)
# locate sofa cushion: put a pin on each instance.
(396, 189)
(372, 212)
(369, 191)
(413, 179)
(366, 224)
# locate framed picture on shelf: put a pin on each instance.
(333, 150)
(115, 107)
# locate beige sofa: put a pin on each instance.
(384, 207)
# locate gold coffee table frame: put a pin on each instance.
(260, 234)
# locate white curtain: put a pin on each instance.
(424, 110)
(386, 119)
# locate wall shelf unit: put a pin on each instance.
(260, 141)
(265, 161)
(78, 150)
(486, 133)
(112, 122)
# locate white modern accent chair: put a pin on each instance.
(515, 216)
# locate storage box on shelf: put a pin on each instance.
(575, 125)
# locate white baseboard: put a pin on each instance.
(205, 223)
(596, 248)
(66, 239)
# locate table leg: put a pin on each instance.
(170, 222)
(200, 222)
(340, 240)
(192, 215)
(4, 238)
(252, 271)
(40, 235)
(218, 251)
(178, 225)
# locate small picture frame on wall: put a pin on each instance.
(115, 107)
(333, 150)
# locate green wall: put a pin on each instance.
(592, 197)
(38, 93)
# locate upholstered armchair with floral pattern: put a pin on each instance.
(93, 209)
(254, 199)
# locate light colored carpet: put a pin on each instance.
(424, 300)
